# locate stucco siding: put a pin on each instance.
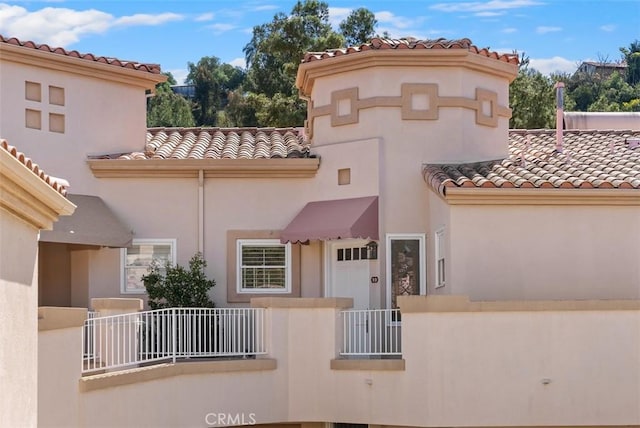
(545, 252)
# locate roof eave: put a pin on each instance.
(309, 71)
(212, 168)
(80, 66)
(537, 196)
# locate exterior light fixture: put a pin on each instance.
(372, 250)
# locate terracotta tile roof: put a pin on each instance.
(589, 160)
(57, 184)
(151, 68)
(223, 143)
(410, 43)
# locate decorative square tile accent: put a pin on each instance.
(32, 91)
(486, 109)
(344, 108)
(56, 95)
(344, 176)
(419, 101)
(33, 119)
(56, 122)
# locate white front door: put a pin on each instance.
(350, 271)
(349, 276)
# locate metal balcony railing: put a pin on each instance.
(371, 332)
(128, 340)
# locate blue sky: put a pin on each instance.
(556, 34)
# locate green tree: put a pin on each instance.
(616, 95)
(273, 56)
(212, 81)
(631, 56)
(532, 99)
(358, 27)
(178, 287)
(167, 108)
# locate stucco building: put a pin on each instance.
(405, 182)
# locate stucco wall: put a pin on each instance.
(100, 116)
(545, 252)
(18, 322)
(519, 365)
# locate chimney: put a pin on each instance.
(559, 115)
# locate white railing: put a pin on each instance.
(127, 340)
(371, 332)
(88, 351)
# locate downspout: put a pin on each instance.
(201, 212)
(559, 115)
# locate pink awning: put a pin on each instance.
(336, 219)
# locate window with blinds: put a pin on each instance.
(264, 266)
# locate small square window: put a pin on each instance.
(32, 91)
(347, 254)
(344, 176)
(56, 95)
(56, 122)
(340, 254)
(33, 119)
(356, 254)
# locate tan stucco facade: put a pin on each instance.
(27, 204)
(509, 363)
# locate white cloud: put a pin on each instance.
(204, 17)
(399, 22)
(493, 5)
(147, 19)
(553, 65)
(608, 28)
(264, 7)
(509, 30)
(337, 15)
(220, 28)
(55, 26)
(545, 30)
(62, 26)
(238, 62)
(180, 74)
(489, 14)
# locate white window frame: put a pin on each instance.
(262, 242)
(440, 252)
(422, 260)
(123, 261)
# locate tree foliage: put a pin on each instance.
(631, 56)
(167, 108)
(273, 56)
(178, 287)
(358, 27)
(213, 80)
(532, 99)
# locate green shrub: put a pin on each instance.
(178, 287)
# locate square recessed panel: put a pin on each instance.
(32, 91)
(344, 108)
(56, 122)
(344, 176)
(33, 119)
(419, 101)
(487, 102)
(56, 95)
